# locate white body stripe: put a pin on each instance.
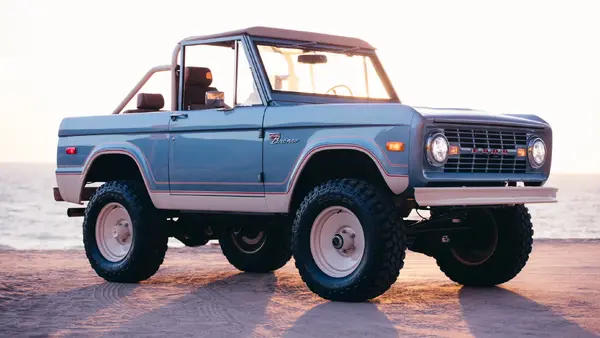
(209, 203)
(70, 186)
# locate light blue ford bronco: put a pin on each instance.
(281, 143)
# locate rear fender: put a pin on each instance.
(71, 179)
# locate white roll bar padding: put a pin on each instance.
(172, 67)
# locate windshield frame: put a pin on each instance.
(288, 96)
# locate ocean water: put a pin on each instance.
(31, 219)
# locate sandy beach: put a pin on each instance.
(197, 293)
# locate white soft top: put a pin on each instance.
(277, 33)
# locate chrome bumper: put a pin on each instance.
(484, 196)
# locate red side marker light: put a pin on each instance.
(71, 151)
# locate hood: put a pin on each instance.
(459, 115)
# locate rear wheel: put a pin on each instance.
(494, 253)
(347, 243)
(123, 236)
(255, 249)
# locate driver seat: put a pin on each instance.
(197, 81)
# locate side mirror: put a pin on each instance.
(312, 58)
(215, 99)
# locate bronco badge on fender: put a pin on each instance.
(276, 139)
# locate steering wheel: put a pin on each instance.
(332, 89)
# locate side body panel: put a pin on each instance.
(212, 163)
(305, 130)
(143, 137)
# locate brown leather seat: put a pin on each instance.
(197, 83)
(148, 103)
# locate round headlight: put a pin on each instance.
(437, 150)
(537, 152)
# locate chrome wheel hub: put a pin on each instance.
(344, 241)
(121, 231)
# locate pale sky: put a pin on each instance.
(64, 58)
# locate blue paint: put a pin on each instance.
(216, 150)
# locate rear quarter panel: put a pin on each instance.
(144, 137)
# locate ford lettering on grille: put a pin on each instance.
(489, 151)
(486, 151)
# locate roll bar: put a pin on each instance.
(165, 68)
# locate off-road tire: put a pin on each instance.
(272, 255)
(149, 243)
(515, 240)
(385, 241)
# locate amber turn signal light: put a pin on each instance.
(521, 152)
(395, 146)
(454, 150)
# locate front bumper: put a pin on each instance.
(459, 196)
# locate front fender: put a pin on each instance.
(395, 174)
(393, 166)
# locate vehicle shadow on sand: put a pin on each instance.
(235, 304)
(244, 305)
(337, 319)
(500, 312)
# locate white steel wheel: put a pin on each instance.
(114, 232)
(337, 241)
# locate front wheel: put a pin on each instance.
(348, 244)
(494, 253)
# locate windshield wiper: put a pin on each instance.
(351, 49)
(312, 43)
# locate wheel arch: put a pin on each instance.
(113, 164)
(103, 169)
(334, 160)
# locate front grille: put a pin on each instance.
(486, 151)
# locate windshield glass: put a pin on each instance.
(310, 71)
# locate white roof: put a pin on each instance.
(269, 32)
